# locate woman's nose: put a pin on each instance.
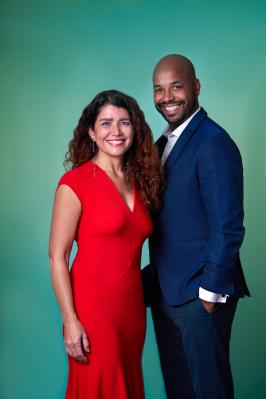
(116, 129)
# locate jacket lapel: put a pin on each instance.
(184, 139)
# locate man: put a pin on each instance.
(194, 251)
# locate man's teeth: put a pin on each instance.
(171, 107)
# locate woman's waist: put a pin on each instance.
(98, 273)
(106, 257)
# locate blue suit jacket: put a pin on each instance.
(199, 228)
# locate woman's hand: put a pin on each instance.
(76, 340)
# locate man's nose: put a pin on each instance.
(168, 95)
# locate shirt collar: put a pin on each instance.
(177, 132)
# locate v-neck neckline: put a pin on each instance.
(131, 211)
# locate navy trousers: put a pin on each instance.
(194, 348)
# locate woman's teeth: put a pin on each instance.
(115, 142)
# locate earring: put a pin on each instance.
(93, 146)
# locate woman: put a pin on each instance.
(103, 203)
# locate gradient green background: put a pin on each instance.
(55, 56)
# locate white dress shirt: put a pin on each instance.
(172, 138)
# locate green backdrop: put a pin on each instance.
(55, 56)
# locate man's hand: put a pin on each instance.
(209, 306)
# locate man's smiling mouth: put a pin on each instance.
(171, 107)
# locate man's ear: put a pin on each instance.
(197, 87)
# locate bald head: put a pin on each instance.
(176, 62)
(176, 89)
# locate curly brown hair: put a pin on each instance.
(141, 163)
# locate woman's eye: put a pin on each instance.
(125, 123)
(106, 123)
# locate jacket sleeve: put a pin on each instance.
(221, 186)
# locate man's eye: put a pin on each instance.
(158, 90)
(177, 87)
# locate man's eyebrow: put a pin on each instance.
(172, 83)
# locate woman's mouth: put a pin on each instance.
(115, 142)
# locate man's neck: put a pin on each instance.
(174, 126)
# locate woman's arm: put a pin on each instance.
(66, 214)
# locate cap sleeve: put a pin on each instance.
(70, 179)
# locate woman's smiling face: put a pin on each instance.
(113, 131)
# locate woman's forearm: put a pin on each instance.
(62, 287)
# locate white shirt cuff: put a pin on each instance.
(212, 296)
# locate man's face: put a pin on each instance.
(175, 94)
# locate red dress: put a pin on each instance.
(107, 288)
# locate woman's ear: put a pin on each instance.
(91, 133)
